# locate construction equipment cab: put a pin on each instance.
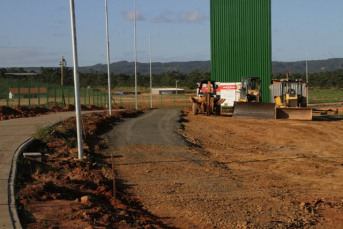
(291, 93)
(250, 90)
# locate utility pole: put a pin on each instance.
(150, 72)
(76, 82)
(307, 88)
(135, 46)
(63, 61)
(108, 64)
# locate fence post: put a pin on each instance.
(68, 94)
(62, 97)
(101, 98)
(161, 102)
(18, 92)
(93, 97)
(38, 96)
(55, 95)
(185, 101)
(174, 102)
(28, 84)
(7, 94)
(85, 96)
(89, 96)
(47, 95)
(148, 100)
(120, 101)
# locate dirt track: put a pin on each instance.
(232, 173)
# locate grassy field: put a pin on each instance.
(126, 101)
(316, 96)
(325, 96)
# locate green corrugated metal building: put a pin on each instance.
(241, 41)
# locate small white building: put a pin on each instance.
(167, 91)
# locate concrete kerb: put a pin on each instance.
(11, 183)
(13, 172)
(12, 179)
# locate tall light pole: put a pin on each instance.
(76, 82)
(134, 6)
(108, 64)
(307, 88)
(150, 72)
(176, 85)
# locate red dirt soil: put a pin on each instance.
(33, 111)
(64, 192)
(254, 173)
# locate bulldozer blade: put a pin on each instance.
(256, 110)
(295, 113)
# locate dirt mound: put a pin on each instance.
(8, 111)
(21, 112)
(119, 107)
(69, 107)
(56, 109)
(24, 111)
(84, 108)
(94, 108)
(39, 110)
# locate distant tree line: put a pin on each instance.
(329, 79)
(100, 79)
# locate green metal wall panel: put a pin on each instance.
(241, 41)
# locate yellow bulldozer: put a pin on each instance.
(290, 100)
(250, 103)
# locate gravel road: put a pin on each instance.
(155, 127)
(154, 160)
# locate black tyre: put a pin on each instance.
(218, 109)
(195, 109)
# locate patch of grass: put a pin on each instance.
(325, 95)
(44, 134)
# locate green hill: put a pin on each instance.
(125, 67)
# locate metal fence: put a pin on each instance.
(21, 92)
(29, 93)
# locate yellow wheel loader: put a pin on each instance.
(207, 100)
(250, 103)
(250, 90)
